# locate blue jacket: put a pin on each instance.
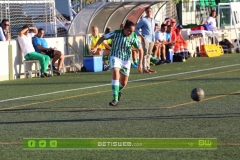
(147, 26)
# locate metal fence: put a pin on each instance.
(40, 13)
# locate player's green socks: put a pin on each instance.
(115, 89)
(120, 87)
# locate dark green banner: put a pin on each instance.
(120, 143)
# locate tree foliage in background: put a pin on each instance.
(90, 1)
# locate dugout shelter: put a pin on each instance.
(112, 14)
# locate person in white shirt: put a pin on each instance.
(160, 40)
(4, 30)
(212, 19)
(25, 42)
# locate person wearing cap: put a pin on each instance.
(167, 21)
(181, 45)
(171, 22)
(147, 34)
(170, 38)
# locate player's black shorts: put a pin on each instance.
(50, 53)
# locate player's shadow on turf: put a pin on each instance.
(174, 117)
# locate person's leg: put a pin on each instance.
(150, 48)
(155, 50)
(99, 52)
(145, 49)
(115, 65)
(58, 56)
(115, 83)
(122, 83)
(163, 52)
(124, 74)
(106, 52)
(149, 53)
(159, 52)
(43, 59)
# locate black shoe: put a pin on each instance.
(53, 68)
(159, 62)
(45, 74)
(119, 96)
(113, 103)
(42, 75)
(167, 61)
(57, 72)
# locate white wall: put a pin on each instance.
(4, 70)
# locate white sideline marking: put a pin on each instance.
(103, 85)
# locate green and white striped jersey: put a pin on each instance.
(122, 45)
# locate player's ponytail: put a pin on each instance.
(128, 24)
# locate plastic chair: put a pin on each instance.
(72, 63)
(201, 2)
(37, 67)
(213, 3)
(207, 3)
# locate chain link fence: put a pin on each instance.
(40, 13)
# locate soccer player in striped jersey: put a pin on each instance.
(120, 54)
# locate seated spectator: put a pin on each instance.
(156, 27)
(41, 46)
(168, 33)
(167, 21)
(181, 46)
(93, 41)
(25, 42)
(4, 30)
(160, 44)
(170, 41)
(212, 19)
(170, 22)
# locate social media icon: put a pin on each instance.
(42, 143)
(31, 143)
(53, 143)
